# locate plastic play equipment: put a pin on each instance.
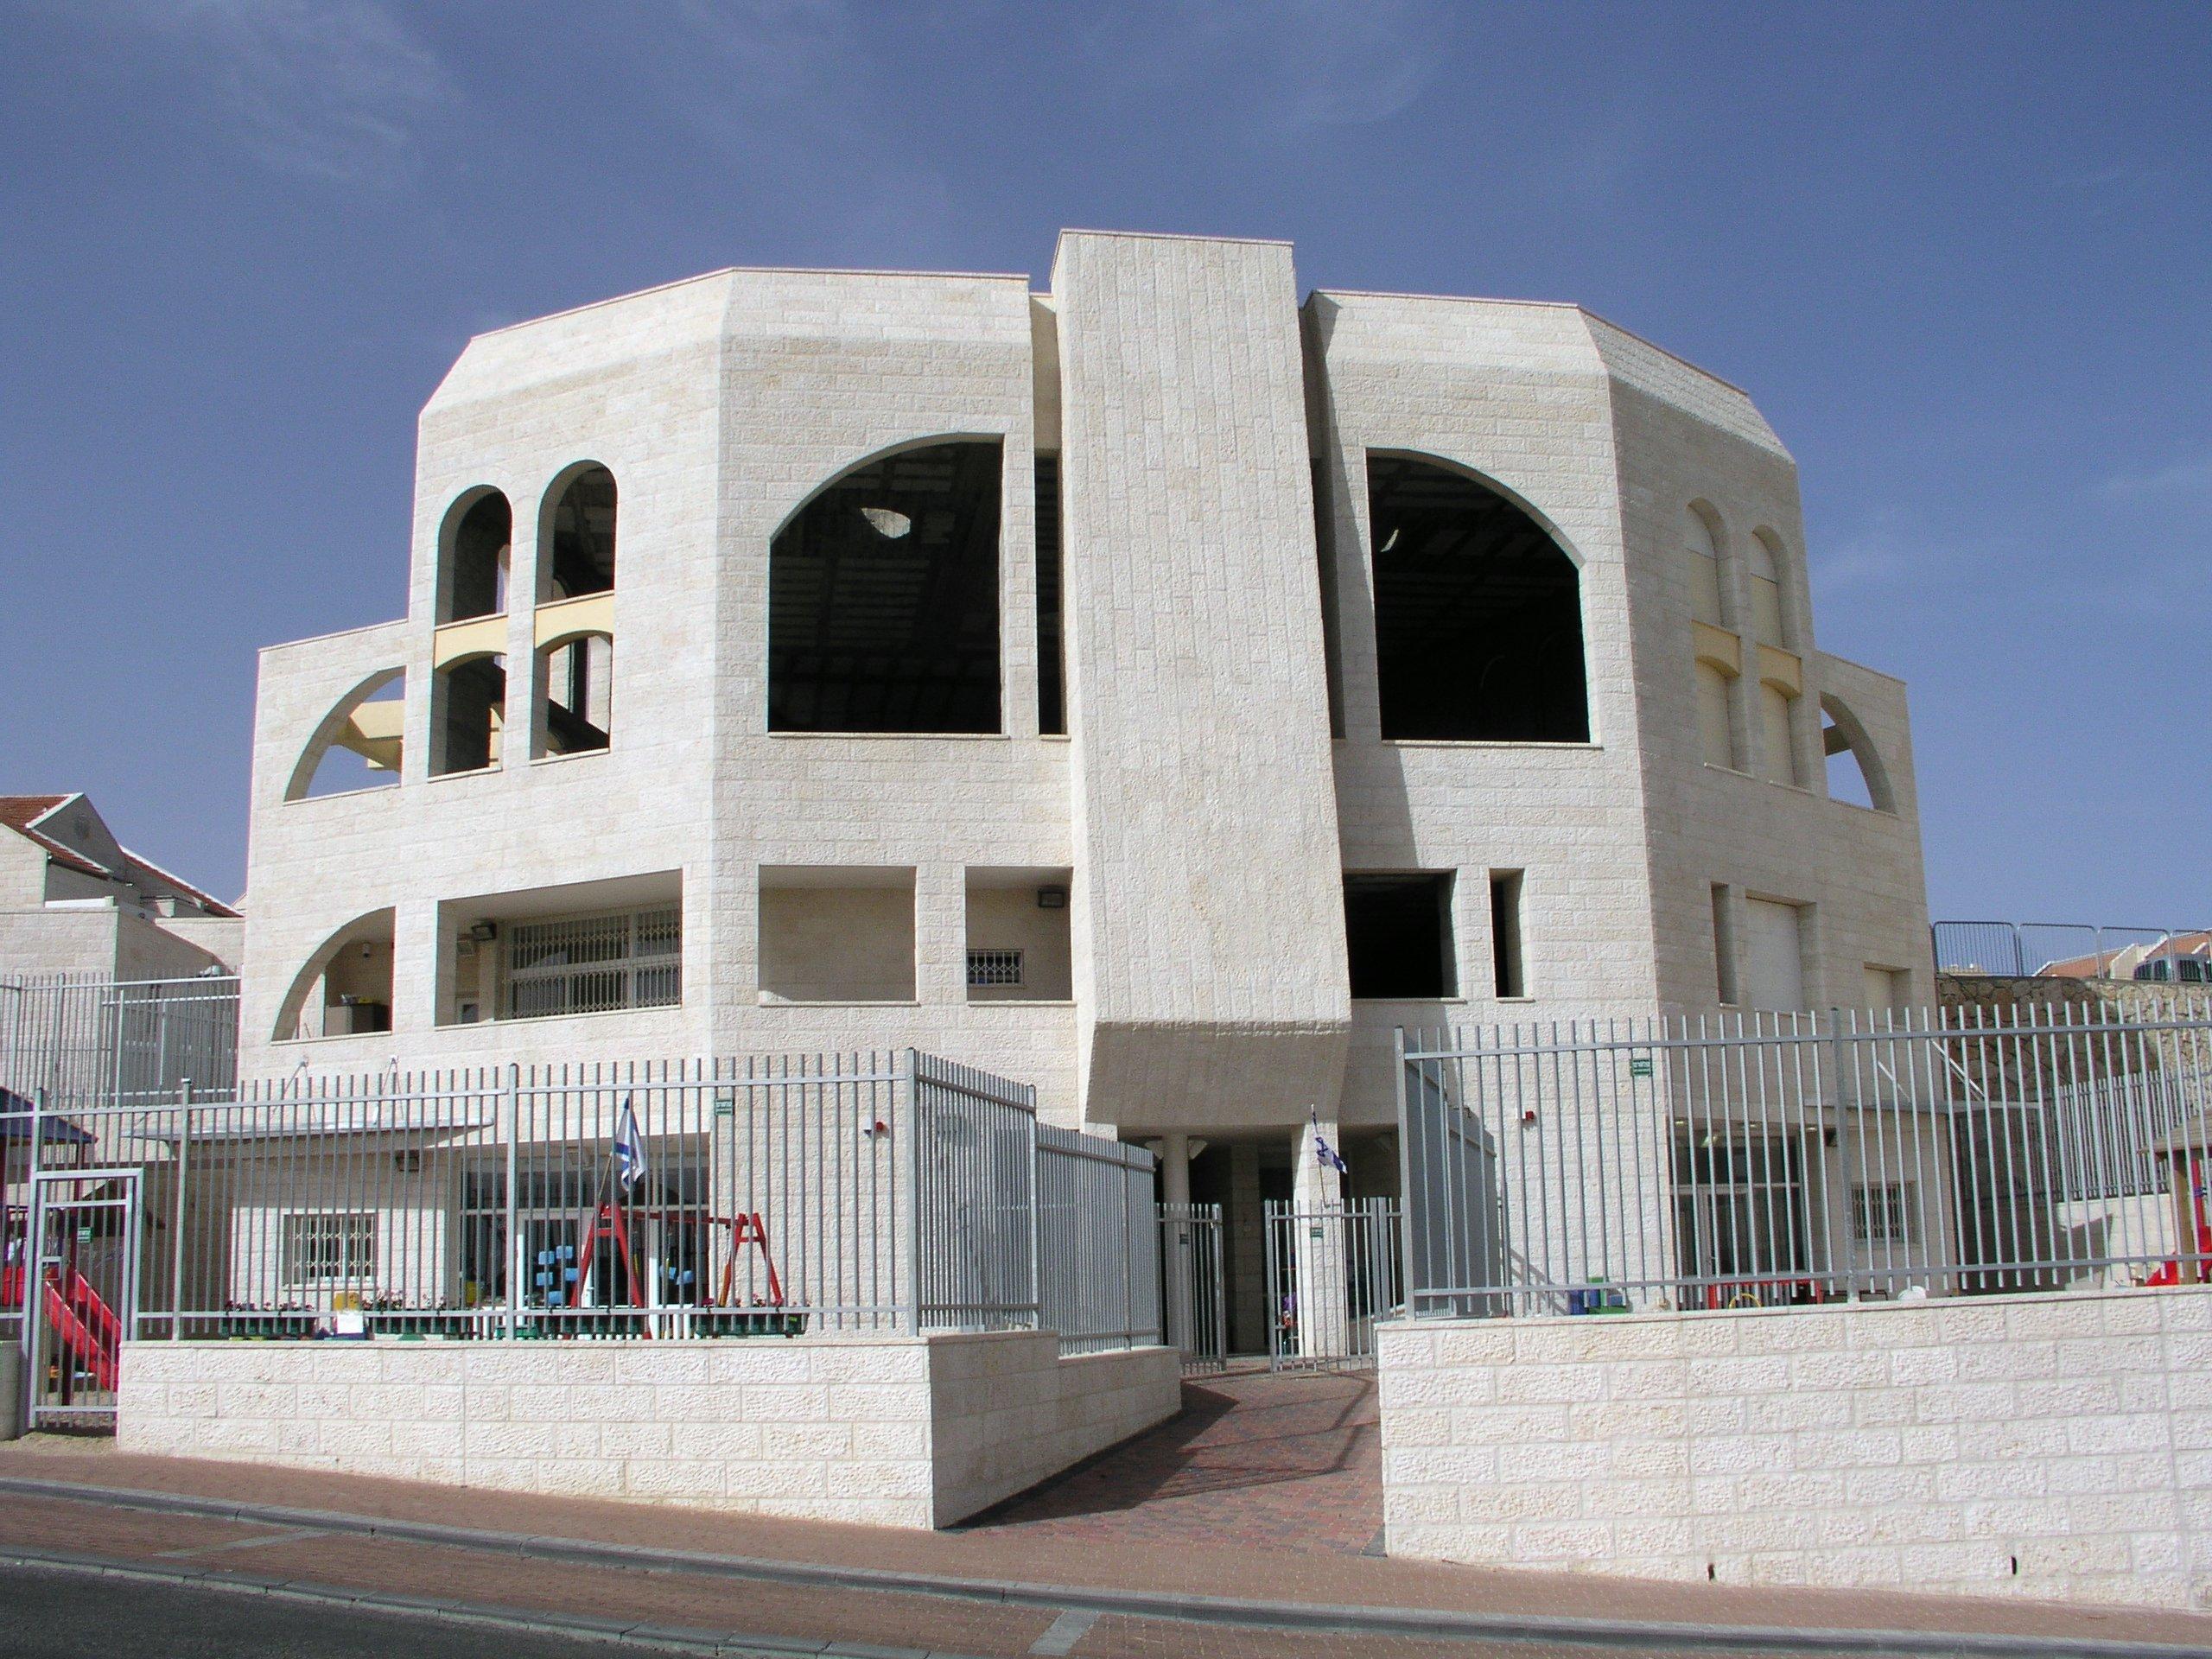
(87, 1328)
(2170, 1273)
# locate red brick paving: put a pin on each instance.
(1291, 1462)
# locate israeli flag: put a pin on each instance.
(629, 1149)
(1327, 1154)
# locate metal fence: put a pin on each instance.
(1098, 1243)
(1194, 1305)
(1774, 1159)
(1332, 1272)
(804, 1195)
(2076, 949)
(83, 1041)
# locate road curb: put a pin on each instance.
(1316, 1617)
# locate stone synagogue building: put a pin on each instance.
(1157, 689)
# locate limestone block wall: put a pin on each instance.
(1209, 959)
(2052, 1446)
(898, 1432)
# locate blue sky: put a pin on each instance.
(1961, 254)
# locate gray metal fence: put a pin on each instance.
(83, 1041)
(766, 1197)
(2075, 950)
(1098, 1244)
(1193, 1303)
(1774, 1160)
(1332, 1272)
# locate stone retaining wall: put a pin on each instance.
(2054, 1445)
(898, 1432)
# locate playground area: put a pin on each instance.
(809, 1196)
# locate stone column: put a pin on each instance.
(1176, 1240)
(1317, 1245)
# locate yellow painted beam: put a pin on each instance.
(474, 638)
(1720, 647)
(1783, 669)
(571, 619)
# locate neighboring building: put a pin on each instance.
(1156, 688)
(2176, 957)
(74, 900)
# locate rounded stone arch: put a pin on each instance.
(371, 933)
(336, 723)
(575, 688)
(475, 551)
(469, 711)
(1846, 733)
(578, 530)
(884, 593)
(1766, 561)
(1480, 632)
(1705, 536)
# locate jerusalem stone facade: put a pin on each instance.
(1567, 697)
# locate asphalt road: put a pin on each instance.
(72, 1616)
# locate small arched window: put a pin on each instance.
(1765, 561)
(577, 544)
(883, 597)
(474, 546)
(1703, 551)
(1477, 612)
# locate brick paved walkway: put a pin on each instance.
(1264, 1462)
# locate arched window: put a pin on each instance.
(1715, 725)
(467, 715)
(1778, 738)
(345, 988)
(1765, 562)
(357, 745)
(883, 597)
(1477, 612)
(1856, 774)
(473, 549)
(577, 681)
(1702, 549)
(577, 547)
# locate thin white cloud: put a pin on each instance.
(2183, 478)
(1284, 66)
(336, 90)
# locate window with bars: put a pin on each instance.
(1882, 1214)
(995, 967)
(593, 964)
(321, 1249)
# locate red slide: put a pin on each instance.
(87, 1325)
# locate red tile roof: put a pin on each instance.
(22, 814)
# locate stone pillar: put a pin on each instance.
(1176, 1241)
(1318, 1246)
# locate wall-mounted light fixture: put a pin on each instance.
(1052, 898)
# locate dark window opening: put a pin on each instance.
(583, 537)
(579, 680)
(1478, 612)
(1398, 933)
(471, 709)
(476, 560)
(1325, 545)
(1507, 972)
(883, 599)
(1051, 696)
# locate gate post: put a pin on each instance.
(34, 1223)
(511, 1318)
(176, 1225)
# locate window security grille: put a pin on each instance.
(329, 1249)
(995, 967)
(591, 964)
(1882, 1214)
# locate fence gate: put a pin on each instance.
(1332, 1272)
(1190, 1288)
(82, 1284)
